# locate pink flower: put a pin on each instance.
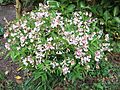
(65, 70)
(72, 62)
(97, 56)
(40, 15)
(22, 39)
(78, 53)
(49, 46)
(73, 41)
(7, 46)
(84, 40)
(55, 23)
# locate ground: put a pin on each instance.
(8, 12)
(7, 65)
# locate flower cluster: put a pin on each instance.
(58, 42)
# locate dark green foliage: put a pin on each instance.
(1, 30)
(4, 2)
(30, 3)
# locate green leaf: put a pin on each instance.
(37, 74)
(99, 86)
(12, 55)
(117, 19)
(1, 1)
(44, 77)
(106, 15)
(70, 8)
(82, 5)
(1, 30)
(116, 11)
(53, 4)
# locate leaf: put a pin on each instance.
(38, 74)
(82, 5)
(94, 9)
(1, 30)
(18, 69)
(70, 8)
(18, 77)
(106, 15)
(117, 19)
(1, 1)
(116, 11)
(44, 77)
(53, 4)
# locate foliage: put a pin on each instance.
(1, 30)
(30, 3)
(53, 45)
(107, 12)
(4, 2)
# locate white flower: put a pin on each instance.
(25, 62)
(107, 37)
(49, 39)
(30, 35)
(90, 14)
(14, 26)
(65, 70)
(6, 34)
(7, 46)
(97, 56)
(29, 58)
(87, 67)
(72, 62)
(22, 39)
(75, 20)
(18, 48)
(31, 40)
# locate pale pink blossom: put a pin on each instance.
(65, 70)
(7, 46)
(72, 62)
(78, 53)
(97, 56)
(22, 39)
(107, 37)
(48, 46)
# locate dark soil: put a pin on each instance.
(7, 66)
(7, 12)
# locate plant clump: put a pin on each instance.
(47, 41)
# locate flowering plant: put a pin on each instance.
(50, 42)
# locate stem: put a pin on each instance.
(18, 9)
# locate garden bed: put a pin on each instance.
(71, 53)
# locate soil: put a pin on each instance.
(7, 12)
(7, 66)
